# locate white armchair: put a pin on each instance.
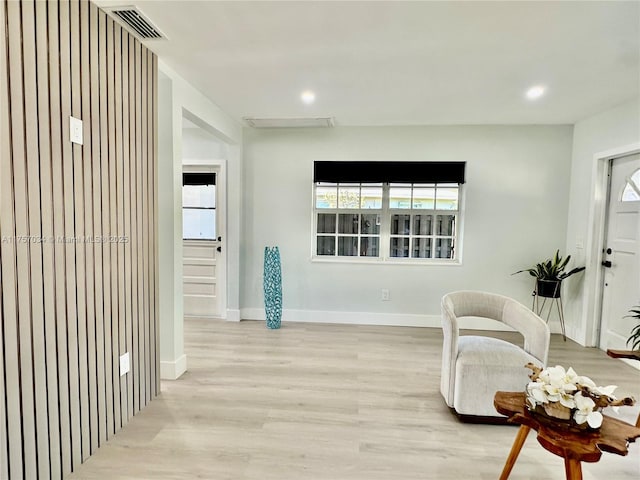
(474, 367)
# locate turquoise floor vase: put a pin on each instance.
(272, 283)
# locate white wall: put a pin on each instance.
(198, 144)
(607, 130)
(515, 215)
(184, 101)
(169, 269)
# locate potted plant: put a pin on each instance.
(549, 275)
(634, 338)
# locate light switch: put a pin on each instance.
(75, 129)
(124, 364)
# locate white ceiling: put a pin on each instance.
(404, 63)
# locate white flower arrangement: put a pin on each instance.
(566, 395)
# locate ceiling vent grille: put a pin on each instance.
(136, 22)
(325, 122)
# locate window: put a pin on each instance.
(198, 206)
(348, 219)
(631, 192)
(423, 220)
(387, 220)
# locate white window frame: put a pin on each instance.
(192, 168)
(385, 231)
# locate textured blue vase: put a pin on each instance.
(272, 287)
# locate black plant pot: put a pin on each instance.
(548, 288)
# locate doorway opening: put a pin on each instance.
(620, 285)
(203, 222)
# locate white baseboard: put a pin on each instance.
(230, 316)
(373, 318)
(171, 370)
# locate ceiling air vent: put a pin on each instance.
(136, 22)
(289, 122)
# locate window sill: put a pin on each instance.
(387, 261)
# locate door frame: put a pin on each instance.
(219, 168)
(592, 300)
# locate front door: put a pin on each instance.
(621, 256)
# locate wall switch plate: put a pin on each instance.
(124, 364)
(75, 130)
(385, 295)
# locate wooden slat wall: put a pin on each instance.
(71, 305)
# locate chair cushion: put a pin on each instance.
(484, 366)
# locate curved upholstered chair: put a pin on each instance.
(475, 367)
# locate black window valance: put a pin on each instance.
(388, 172)
(198, 178)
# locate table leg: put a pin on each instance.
(573, 469)
(523, 431)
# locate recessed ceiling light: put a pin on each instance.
(535, 92)
(308, 97)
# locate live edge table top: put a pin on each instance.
(584, 446)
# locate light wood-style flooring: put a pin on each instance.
(332, 402)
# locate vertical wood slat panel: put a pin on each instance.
(4, 458)
(87, 245)
(80, 239)
(135, 252)
(96, 158)
(156, 256)
(151, 156)
(106, 30)
(140, 173)
(113, 221)
(145, 215)
(5, 190)
(8, 264)
(26, 410)
(34, 245)
(70, 232)
(70, 307)
(126, 232)
(48, 267)
(59, 247)
(119, 226)
(91, 416)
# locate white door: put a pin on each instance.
(621, 284)
(203, 272)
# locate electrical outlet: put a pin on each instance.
(124, 364)
(75, 130)
(385, 295)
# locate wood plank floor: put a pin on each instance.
(319, 402)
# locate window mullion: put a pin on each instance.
(385, 224)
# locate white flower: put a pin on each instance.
(568, 400)
(586, 382)
(584, 411)
(595, 419)
(608, 390)
(571, 377)
(536, 394)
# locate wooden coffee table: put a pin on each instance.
(628, 354)
(575, 447)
